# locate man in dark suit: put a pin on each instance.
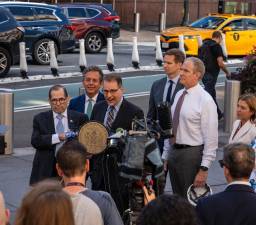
(115, 112)
(49, 130)
(164, 90)
(92, 82)
(236, 205)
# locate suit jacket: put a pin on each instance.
(235, 206)
(156, 96)
(123, 119)
(78, 103)
(43, 129)
(245, 134)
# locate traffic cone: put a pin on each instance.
(23, 61)
(53, 60)
(181, 44)
(199, 41)
(82, 58)
(159, 54)
(224, 47)
(135, 54)
(110, 56)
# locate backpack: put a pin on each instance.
(205, 54)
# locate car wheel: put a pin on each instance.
(5, 62)
(93, 42)
(41, 51)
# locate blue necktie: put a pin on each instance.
(59, 126)
(169, 92)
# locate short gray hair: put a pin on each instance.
(198, 65)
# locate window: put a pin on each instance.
(77, 13)
(22, 13)
(3, 17)
(236, 24)
(45, 14)
(210, 22)
(92, 12)
(251, 24)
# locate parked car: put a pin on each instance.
(42, 23)
(11, 33)
(93, 22)
(240, 33)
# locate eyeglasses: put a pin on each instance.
(56, 100)
(111, 91)
(221, 162)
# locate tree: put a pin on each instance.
(185, 19)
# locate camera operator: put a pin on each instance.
(115, 112)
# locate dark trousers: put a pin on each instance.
(209, 82)
(183, 166)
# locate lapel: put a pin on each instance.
(120, 114)
(100, 97)
(243, 130)
(102, 113)
(161, 89)
(71, 122)
(82, 103)
(51, 122)
(178, 87)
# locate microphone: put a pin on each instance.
(164, 117)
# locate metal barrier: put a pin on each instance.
(6, 118)
(232, 93)
(136, 22)
(162, 23)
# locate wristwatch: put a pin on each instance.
(203, 168)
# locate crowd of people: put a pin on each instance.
(187, 155)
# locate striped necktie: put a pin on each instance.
(59, 126)
(110, 117)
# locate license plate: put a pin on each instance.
(165, 45)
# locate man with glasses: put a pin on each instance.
(49, 133)
(236, 205)
(92, 82)
(115, 112)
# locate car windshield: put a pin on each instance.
(210, 22)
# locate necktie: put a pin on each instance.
(59, 126)
(169, 92)
(110, 117)
(89, 108)
(176, 115)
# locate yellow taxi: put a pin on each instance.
(240, 33)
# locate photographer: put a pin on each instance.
(115, 112)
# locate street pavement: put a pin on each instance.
(15, 169)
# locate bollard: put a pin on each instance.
(136, 22)
(159, 54)
(53, 60)
(135, 54)
(81, 91)
(82, 58)
(110, 56)
(6, 119)
(199, 41)
(223, 46)
(232, 93)
(181, 44)
(23, 61)
(162, 23)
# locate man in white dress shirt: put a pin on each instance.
(195, 127)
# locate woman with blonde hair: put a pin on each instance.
(244, 129)
(45, 204)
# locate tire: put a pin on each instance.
(93, 42)
(5, 61)
(41, 51)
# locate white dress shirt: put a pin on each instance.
(55, 137)
(239, 182)
(93, 99)
(198, 123)
(175, 81)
